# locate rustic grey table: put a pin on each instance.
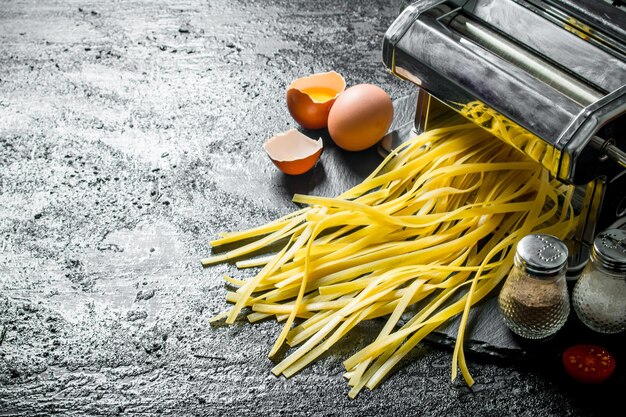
(130, 134)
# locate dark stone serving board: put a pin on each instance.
(486, 332)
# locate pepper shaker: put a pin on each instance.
(599, 295)
(534, 299)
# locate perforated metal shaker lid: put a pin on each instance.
(609, 249)
(541, 255)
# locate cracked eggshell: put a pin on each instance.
(293, 152)
(309, 99)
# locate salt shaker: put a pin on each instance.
(599, 295)
(534, 299)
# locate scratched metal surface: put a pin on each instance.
(130, 134)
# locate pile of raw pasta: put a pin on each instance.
(429, 233)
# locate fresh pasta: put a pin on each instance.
(426, 236)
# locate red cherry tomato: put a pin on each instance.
(588, 364)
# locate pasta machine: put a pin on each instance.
(546, 76)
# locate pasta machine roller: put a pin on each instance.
(547, 76)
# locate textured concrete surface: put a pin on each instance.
(130, 134)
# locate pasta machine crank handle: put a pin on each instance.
(609, 150)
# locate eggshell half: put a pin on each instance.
(307, 111)
(293, 152)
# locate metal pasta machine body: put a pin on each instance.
(553, 72)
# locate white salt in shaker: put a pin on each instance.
(534, 299)
(599, 295)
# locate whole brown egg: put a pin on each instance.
(360, 117)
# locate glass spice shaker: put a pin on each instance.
(599, 295)
(534, 300)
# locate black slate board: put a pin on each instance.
(486, 332)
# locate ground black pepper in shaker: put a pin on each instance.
(534, 299)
